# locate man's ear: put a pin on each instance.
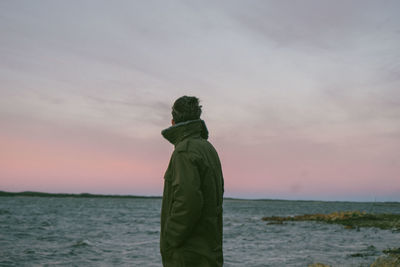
(172, 122)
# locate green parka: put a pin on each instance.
(191, 213)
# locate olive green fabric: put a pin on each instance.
(191, 214)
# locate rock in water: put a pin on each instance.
(386, 261)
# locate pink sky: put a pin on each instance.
(44, 156)
(301, 100)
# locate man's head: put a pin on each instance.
(186, 108)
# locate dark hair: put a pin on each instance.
(186, 108)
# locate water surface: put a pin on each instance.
(47, 231)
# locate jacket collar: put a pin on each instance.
(180, 131)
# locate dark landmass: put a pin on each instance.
(349, 219)
(88, 195)
(82, 195)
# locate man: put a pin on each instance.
(191, 213)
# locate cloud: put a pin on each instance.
(320, 61)
(308, 75)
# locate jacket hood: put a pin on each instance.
(180, 131)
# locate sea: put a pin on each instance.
(56, 231)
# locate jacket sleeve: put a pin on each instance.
(187, 200)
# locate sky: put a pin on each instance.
(301, 98)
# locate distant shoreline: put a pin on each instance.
(79, 195)
(89, 195)
(69, 195)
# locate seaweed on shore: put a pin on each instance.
(349, 219)
(391, 259)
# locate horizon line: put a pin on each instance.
(90, 195)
